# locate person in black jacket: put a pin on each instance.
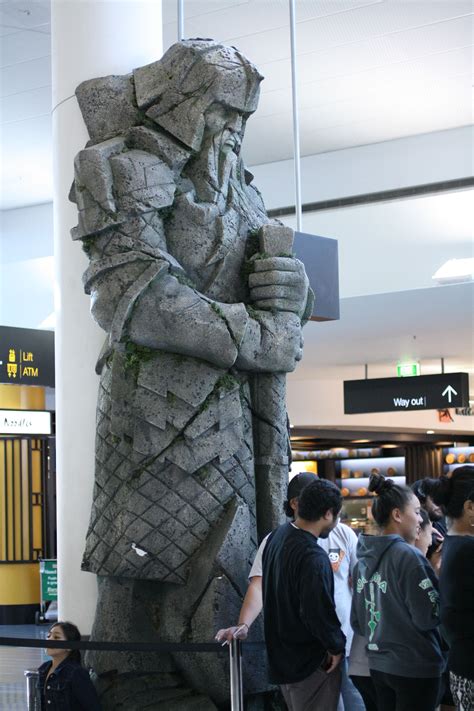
(455, 493)
(303, 636)
(64, 684)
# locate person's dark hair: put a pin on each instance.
(424, 488)
(295, 487)
(454, 489)
(390, 496)
(317, 498)
(425, 519)
(71, 633)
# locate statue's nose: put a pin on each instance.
(235, 123)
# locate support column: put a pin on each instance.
(89, 39)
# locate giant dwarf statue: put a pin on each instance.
(203, 306)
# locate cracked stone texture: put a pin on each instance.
(192, 446)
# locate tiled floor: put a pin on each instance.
(14, 661)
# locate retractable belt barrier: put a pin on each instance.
(159, 647)
(235, 658)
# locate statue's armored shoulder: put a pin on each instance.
(127, 166)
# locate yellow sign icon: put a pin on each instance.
(12, 369)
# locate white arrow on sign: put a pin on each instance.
(450, 391)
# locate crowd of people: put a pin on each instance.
(383, 623)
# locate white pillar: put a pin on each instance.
(89, 39)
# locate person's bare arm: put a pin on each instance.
(250, 610)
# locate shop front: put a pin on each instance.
(349, 458)
(27, 470)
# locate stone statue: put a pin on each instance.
(203, 304)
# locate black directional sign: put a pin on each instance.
(26, 356)
(422, 392)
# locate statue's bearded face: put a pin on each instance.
(224, 125)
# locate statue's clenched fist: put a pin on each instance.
(272, 343)
(279, 284)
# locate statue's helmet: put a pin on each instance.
(176, 91)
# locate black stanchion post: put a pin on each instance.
(236, 686)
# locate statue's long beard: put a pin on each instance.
(211, 171)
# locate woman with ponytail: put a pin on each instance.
(395, 604)
(455, 493)
(64, 684)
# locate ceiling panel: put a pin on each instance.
(260, 29)
(336, 137)
(369, 70)
(410, 96)
(434, 64)
(26, 104)
(25, 76)
(423, 231)
(197, 7)
(380, 107)
(364, 321)
(26, 169)
(24, 14)
(320, 95)
(259, 16)
(25, 45)
(386, 19)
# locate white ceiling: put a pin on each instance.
(25, 103)
(419, 324)
(369, 71)
(393, 246)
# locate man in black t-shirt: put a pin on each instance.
(303, 635)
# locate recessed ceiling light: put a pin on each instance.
(390, 446)
(360, 441)
(455, 271)
(430, 431)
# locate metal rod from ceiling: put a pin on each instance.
(180, 20)
(296, 127)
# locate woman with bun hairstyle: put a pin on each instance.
(395, 604)
(455, 493)
(64, 684)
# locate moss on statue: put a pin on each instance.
(135, 355)
(227, 383)
(87, 244)
(182, 278)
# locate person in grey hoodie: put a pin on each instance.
(395, 604)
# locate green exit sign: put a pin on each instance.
(405, 370)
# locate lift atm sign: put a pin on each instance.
(26, 356)
(422, 392)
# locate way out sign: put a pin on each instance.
(422, 392)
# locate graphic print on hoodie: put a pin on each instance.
(395, 606)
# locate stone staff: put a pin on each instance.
(270, 420)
